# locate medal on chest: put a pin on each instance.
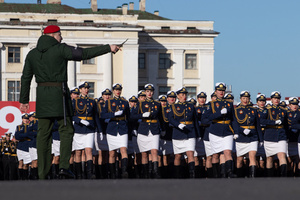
(198, 111)
(218, 105)
(146, 106)
(178, 108)
(113, 104)
(81, 103)
(241, 112)
(273, 112)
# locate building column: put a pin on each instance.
(130, 70)
(178, 68)
(71, 74)
(2, 64)
(152, 68)
(206, 71)
(104, 66)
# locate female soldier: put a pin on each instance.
(149, 130)
(183, 118)
(246, 125)
(85, 123)
(275, 135)
(117, 111)
(220, 112)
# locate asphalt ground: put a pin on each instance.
(144, 189)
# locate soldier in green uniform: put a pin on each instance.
(48, 62)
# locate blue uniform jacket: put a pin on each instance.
(246, 117)
(132, 126)
(32, 132)
(273, 132)
(55, 133)
(221, 124)
(85, 108)
(294, 123)
(166, 126)
(153, 122)
(116, 124)
(201, 112)
(103, 125)
(183, 113)
(21, 134)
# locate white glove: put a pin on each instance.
(146, 114)
(236, 136)
(101, 136)
(278, 122)
(181, 126)
(224, 111)
(294, 130)
(163, 133)
(246, 131)
(84, 122)
(118, 113)
(134, 132)
(198, 139)
(261, 144)
(106, 120)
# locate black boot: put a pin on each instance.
(112, 170)
(223, 170)
(197, 171)
(202, 172)
(71, 168)
(78, 169)
(100, 171)
(124, 163)
(34, 173)
(270, 172)
(229, 169)
(20, 174)
(216, 170)
(192, 169)
(105, 171)
(177, 171)
(240, 172)
(155, 172)
(137, 170)
(89, 170)
(84, 164)
(283, 170)
(252, 171)
(145, 171)
(209, 172)
(54, 174)
(25, 174)
(150, 169)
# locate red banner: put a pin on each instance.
(11, 116)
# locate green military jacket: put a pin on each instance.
(48, 63)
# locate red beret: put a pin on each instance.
(51, 29)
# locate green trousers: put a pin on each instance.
(44, 142)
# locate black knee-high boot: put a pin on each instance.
(283, 170)
(209, 172)
(192, 169)
(105, 170)
(112, 170)
(252, 171)
(78, 169)
(216, 170)
(155, 171)
(25, 174)
(223, 170)
(124, 163)
(145, 171)
(89, 170)
(240, 172)
(20, 174)
(177, 171)
(229, 169)
(270, 172)
(197, 171)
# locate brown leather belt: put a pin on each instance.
(248, 127)
(186, 122)
(51, 84)
(222, 122)
(274, 126)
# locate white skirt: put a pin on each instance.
(148, 142)
(244, 148)
(208, 149)
(199, 149)
(182, 146)
(219, 144)
(55, 147)
(272, 148)
(24, 155)
(167, 147)
(299, 149)
(135, 145)
(82, 141)
(292, 149)
(101, 145)
(116, 142)
(33, 153)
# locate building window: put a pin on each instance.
(163, 90)
(192, 92)
(14, 54)
(92, 89)
(89, 61)
(142, 61)
(164, 61)
(190, 61)
(13, 88)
